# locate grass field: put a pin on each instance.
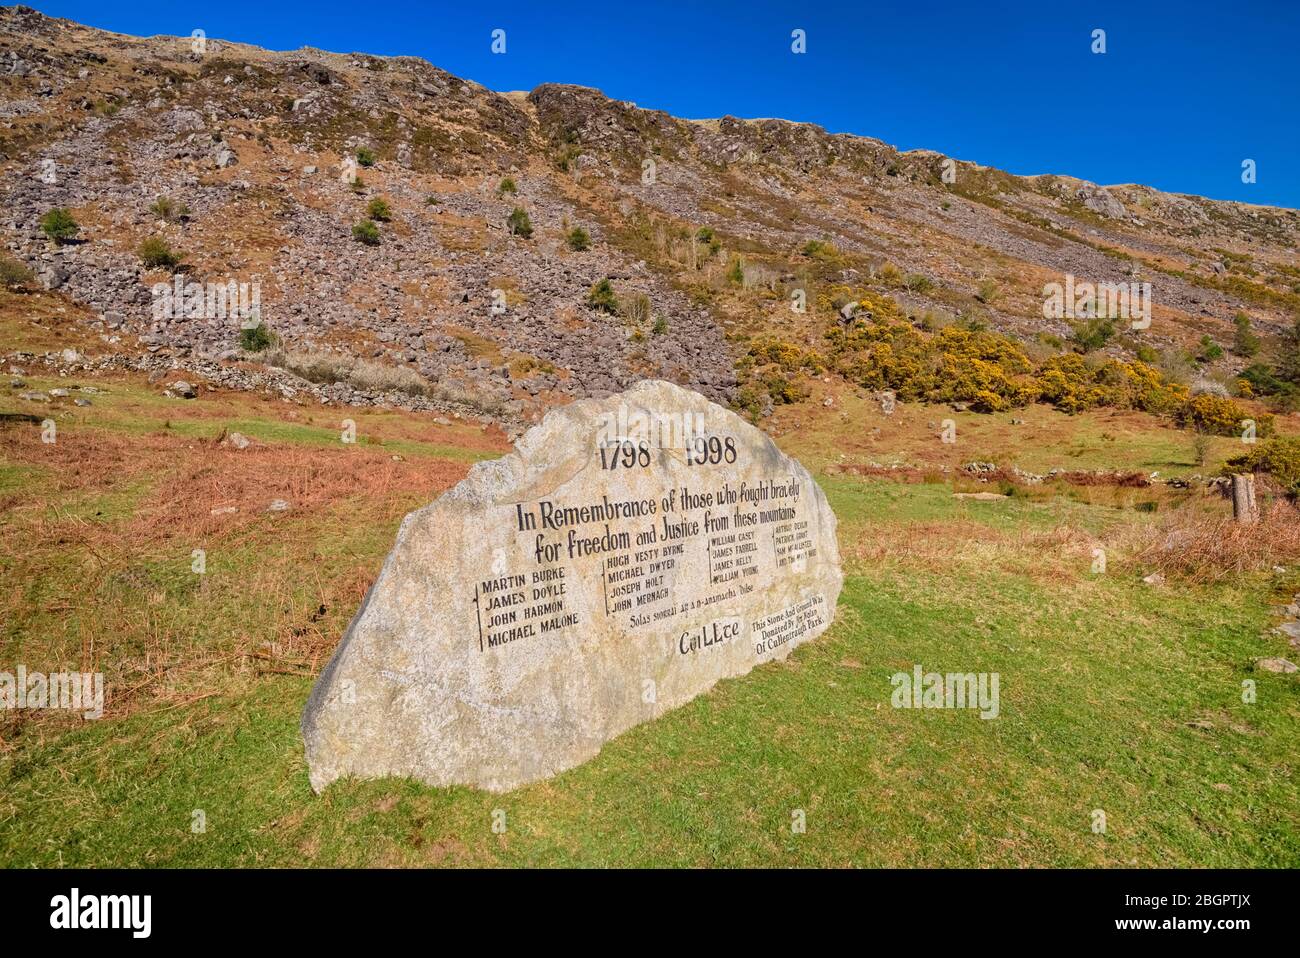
(1116, 695)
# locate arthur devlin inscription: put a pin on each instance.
(630, 553)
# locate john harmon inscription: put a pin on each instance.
(630, 553)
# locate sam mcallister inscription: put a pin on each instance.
(630, 553)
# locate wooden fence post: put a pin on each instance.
(1244, 507)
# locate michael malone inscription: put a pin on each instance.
(630, 553)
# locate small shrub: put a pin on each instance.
(431, 200)
(564, 157)
(254, 339)
(519, 224)
(1219, 416)
(365, 156)
(1092, 334)
(736, 271)
(1209, 351)
(578, 239)
(378, 209)
(751, 402)
(637, 309)
(1201, 449)
(1262, 380)
(366, 232)
(1278, 457)
(1176, 366)
(1288, 357)
(13, 274)
(783, 390)
(524, 365)
(822, 251)
(59, 225)
(988, 292)
(507, 186)
(168, 209)
(1244, 341)
(601, 297)
(156, 254)
(706, 236)
(918, 283)
(660, 326)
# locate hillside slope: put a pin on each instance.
(255, 147)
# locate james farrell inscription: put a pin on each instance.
(630, 553)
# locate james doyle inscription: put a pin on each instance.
(630, 553)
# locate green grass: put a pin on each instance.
(14, 477)
(1114, 696)
(1100, 679)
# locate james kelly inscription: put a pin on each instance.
(630, 553)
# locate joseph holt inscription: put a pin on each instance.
(630, 553)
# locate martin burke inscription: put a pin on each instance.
(630, 553)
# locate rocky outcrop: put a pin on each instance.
(254, 144)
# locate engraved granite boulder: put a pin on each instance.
(628, 554)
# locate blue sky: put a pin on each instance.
(1183, 94)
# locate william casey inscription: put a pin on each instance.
(630, 553)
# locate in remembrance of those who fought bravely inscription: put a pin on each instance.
(630, 553)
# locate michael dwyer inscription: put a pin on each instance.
(630, 553)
